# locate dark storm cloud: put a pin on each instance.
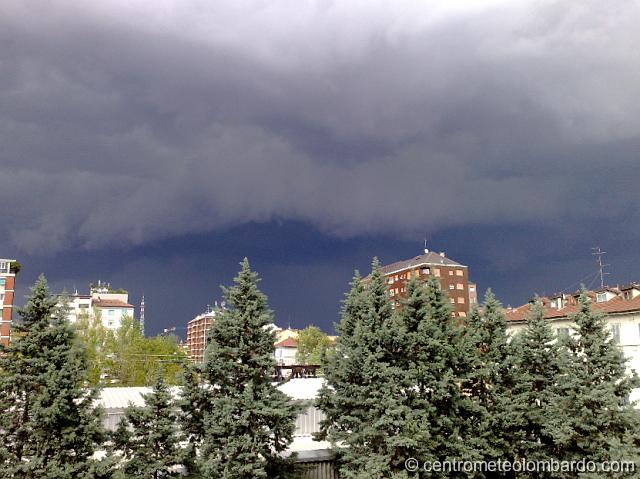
(127, 122)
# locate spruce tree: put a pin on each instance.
(149, 436)
(249, 422)
(441, 358)
(366, 395)
(491, 374)
(49, 427)
(598, 423)
(194, 401)
(529, 413)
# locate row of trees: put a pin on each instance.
(410, 382)
(235, 422)
(417, 382)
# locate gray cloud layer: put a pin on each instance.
(125, 122)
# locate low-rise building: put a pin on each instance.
(111, 306)
(619, 305)
(286, 351)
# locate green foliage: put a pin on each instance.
(248, 422)
(15, 267)
(597, 420)
(530, 413)
(125, 357)
(491, 374)
(148, 437)
(312, 345)
(193, 403)
(49, 427)
(393, 382)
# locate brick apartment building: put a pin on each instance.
(7, 285)
(453, 278)
(197, 328)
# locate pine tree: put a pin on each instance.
(249, 422)
(529, 414)
(49, 427)
(149, 436)
(597, 421)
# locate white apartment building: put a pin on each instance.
(111, 306)
(620, 306)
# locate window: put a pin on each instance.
(462, 314)
(436, 272)
(451, 286)
(460, 300)
(460, 286)
(390, 280)
(111, 312)
(450, 272)
(601, 297)
(562, 332)
(3, 281)
(396, 278)
(452, 300)
(615, 333)
(425, 270)
(83, 306)
(1, 298)
(459, 272)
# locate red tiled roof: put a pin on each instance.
(287, 343)
(613, 306)
(111, 303)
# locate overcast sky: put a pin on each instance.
(153, 144)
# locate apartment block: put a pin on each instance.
(620, 307)
(7, 289)
(197, 328)
(452, 276)
(112, 306)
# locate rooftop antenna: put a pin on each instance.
(599, 253)
(142, 315)
(425, 244)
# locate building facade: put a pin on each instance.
(111, 306)
(452, 276)
(286, 351)
(620, 307)
(7, 289)
(197, 328)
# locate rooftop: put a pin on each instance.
(617, 305)
(287, 343)
(430, 258)
(111, 303)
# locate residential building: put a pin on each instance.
(286, 351)
(112, 306)
(452, 276)
(7, 288)
(197, 334)
(619, 305)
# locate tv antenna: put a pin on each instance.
(599, 253)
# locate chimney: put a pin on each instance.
(442, 253)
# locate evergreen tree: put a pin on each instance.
(149, 436)
(440, 360)
(491, 375)
(194, 401)
(249, 422)
(597, 422)
(529, 414)
(49, 427)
